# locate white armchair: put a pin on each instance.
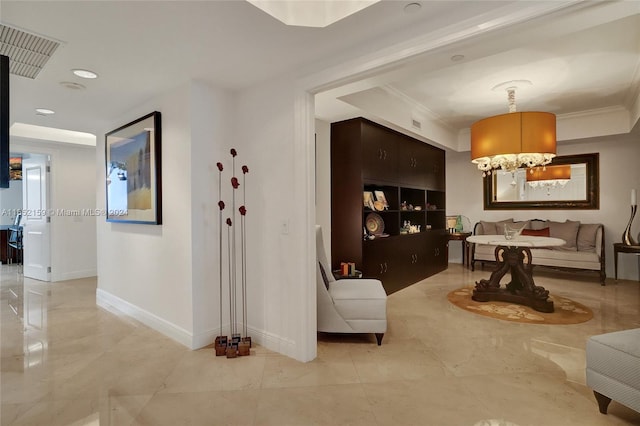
(348, 305)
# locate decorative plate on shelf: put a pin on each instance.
(378, 205)
(374, 224)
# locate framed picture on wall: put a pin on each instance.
(133, 172)
(15, 168)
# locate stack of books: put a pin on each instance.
(348, 269)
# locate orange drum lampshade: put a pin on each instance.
(515, 139)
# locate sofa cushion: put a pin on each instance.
(544, 232)
(567, 231)
(538, 224)
(587, 237)
(494, 228)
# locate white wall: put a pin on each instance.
(167, 275)
(280, 305)
(323, 181)
(73, 238)
(211, 116)
(618, 175)
(146, 270)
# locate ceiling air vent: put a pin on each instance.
(416, 124)
(28, 53)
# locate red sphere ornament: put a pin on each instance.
(243, 210)
(229, 221)
(221, 204)
(220, 166)
(235, 183)
(245, 169)
(234, 152)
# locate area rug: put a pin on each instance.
(566, 310)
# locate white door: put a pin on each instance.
(36, 223)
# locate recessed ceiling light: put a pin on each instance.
(456, 58)
(412, 7)
(44, 111)
(72, 85)
(85, 73)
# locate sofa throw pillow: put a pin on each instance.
(567, 231)
(544, 232)
(494, 228)
(587, 237)
(324, 276)
(522, 225)
(538, 224)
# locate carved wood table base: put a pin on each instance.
(521, 290)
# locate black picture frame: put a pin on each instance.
(133, 171)
(4, 121)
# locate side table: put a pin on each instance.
(338, 275)
(622, 248)
(462, 236)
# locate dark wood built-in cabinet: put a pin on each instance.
(366, 156)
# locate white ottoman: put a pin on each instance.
(613, 368)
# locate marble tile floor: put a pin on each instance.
(65, 361)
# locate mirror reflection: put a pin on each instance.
(523, 185)
(569, 182)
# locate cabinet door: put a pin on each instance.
(415, 255)
(375, 263)
(435, 172)
(437, 252)
(379, 154)
(413, 163)
(382, 261)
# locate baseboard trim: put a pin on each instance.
(119, 306)
(74, 275)
(110, 302)
(267, 340)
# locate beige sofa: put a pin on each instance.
(584, 248)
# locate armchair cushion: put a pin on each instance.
(359, 299)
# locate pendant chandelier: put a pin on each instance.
(513, 140)
(549, 176)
